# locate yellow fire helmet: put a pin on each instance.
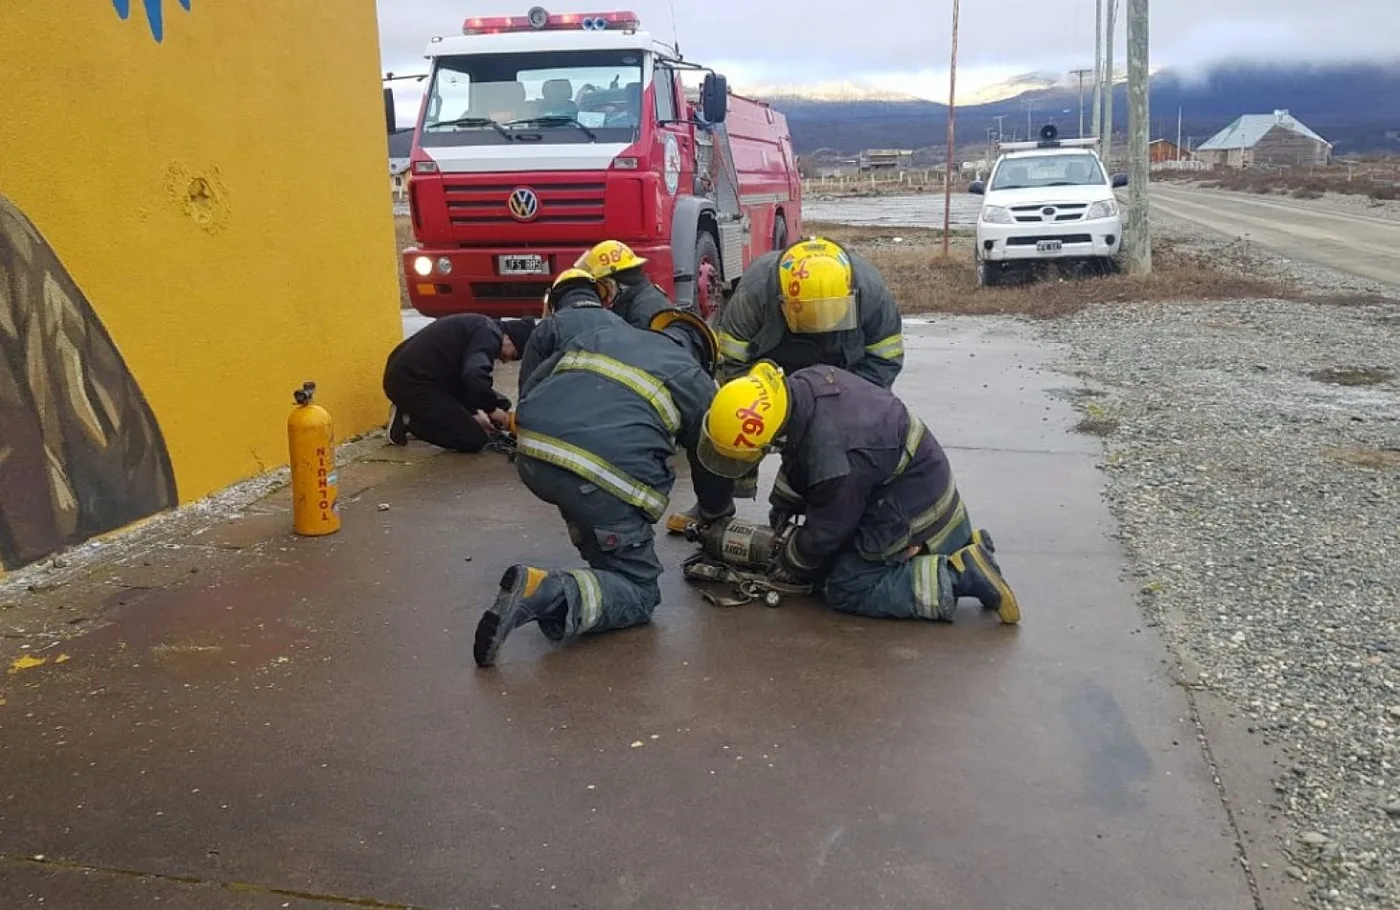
(817, 246)
(701, 329)
(818, 295)
(745, 417)
(567, 278)
(608, 258)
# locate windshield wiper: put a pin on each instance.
(554, 120)
(473, 121)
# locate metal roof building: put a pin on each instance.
(1276, 139)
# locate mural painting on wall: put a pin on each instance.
(81, 452)
(155, 13)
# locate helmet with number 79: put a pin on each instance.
(744, 419)
(818, 293)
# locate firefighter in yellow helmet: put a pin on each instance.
(812, 303)
(886, 533)
(598, 423)
(626, 289)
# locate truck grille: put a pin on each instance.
(1063, 238)
(1052, 213)
(510, 290)
(559, 203)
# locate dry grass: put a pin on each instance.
(403, 238)
(1372, 459)
(923, 281)
(1378, 180)
(1352, 376)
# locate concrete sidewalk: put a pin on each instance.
(299, 722)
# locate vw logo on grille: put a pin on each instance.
(524, 205)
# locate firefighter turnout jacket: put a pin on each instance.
(639, 301)
(751, 327)
(867, 473)
(611, 402)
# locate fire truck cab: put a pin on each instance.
(541, 135)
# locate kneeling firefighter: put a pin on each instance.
(595, 428)
(440, 385)
(886, 533)
(626, 289)
(813, 303)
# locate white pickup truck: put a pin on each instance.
(1047, 201)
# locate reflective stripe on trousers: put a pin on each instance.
(926, 595)
(590, 595)
(590, 467)
(732, 348)
(639, 381)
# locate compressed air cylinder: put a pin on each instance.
(311, 447)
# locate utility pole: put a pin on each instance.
(1106, 138)
(1098, 68)
(1178, 133)
(1029, 106)
(1080, 74)
(952, 102)
(1137, 234)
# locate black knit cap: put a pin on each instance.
(518, 331)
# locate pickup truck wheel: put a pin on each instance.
(707, 277)
(988, 276)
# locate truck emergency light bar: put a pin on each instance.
(538, 20)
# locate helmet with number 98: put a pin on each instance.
(818, 295)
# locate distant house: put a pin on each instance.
(398, 178)
(886, 159)
(1165, 150)
(1268, 140)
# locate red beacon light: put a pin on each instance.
(540, 20)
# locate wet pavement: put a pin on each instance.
(298, 722)
(923, 210)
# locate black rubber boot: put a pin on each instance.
(976, 574)
(527, 595)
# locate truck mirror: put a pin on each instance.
(391, 121)
(714, 98)
(977, 188)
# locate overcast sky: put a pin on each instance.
(904, 44)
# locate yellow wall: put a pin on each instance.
(218, 197)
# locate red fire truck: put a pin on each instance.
(541, 135)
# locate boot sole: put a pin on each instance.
(485, 655)
(678, 522)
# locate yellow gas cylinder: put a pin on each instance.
(311, 444)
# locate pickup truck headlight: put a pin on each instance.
(996, 214)
(1105, 209)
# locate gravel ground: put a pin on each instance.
(1258, 498)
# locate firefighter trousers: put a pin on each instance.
(619, 588)
(917, 588)
(436, 416)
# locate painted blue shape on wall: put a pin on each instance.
(155, 14)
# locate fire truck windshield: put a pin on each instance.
(485, 99)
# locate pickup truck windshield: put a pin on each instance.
(554, 97)
(1048, 170)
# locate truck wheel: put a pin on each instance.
(707, 276)
(988, 276)
(780, 234)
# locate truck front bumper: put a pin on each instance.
(1100, 238)
(501, 281)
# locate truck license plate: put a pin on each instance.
(523, 265)
(1047, 246)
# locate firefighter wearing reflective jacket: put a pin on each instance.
(813, 303)
(596, 425)
(886, 533)
(624, 287)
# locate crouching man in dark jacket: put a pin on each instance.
(886, 531)
(596, 426)
(440, 380)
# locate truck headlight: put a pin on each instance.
(423, 266)
(444, 265)
(996, 214)
(1104, 209)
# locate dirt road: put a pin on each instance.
(1355, 244)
